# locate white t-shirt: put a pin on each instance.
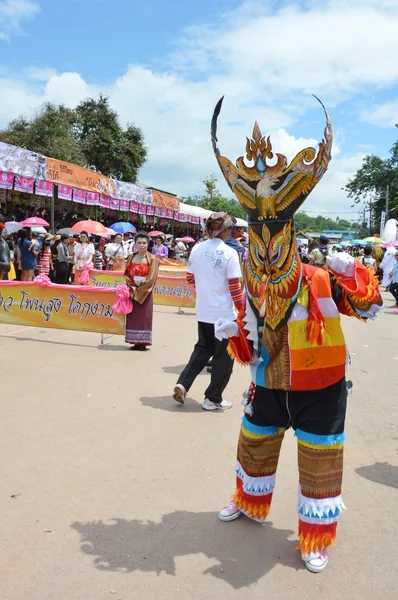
(213, 263)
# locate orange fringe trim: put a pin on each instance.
(315, 538)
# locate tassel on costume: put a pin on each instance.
(315, 538)
(316, 320)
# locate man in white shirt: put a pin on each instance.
(215, 271)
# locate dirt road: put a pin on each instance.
(108, 489)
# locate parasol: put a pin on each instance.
(11, 227)
(373, 240)
(65, 231)
(39, 230)
(122, 227)
(156, 234)
(35, 222)
(92, 227)
(187, 239)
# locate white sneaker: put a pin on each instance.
(179, 393)
(229, 512)
(209, 405)
(317, 564)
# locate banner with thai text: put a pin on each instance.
(75, 308)
(65, 192)
(44, 188)
(171, 288)
(6, 180)
(62, 172)
(93, 198)
(24, 184)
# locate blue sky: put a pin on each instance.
(164, 65)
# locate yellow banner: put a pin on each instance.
(168, 291)
(60, 307)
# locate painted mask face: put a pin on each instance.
(270, 195)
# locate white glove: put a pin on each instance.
(342, 263)
(224, 329)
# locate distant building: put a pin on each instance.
(340, 235)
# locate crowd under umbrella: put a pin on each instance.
(123, 227)
(92, 227)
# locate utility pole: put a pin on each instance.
(387, 199)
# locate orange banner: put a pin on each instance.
(65, 173)
(60, 307)
(162, 200)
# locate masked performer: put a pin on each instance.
(291, 336)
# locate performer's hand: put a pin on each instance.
(224, 329)
(342, 263)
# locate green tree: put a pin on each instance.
(49, 132)
(88, 135)
(113, 151)
(370, 184)
(215, 201)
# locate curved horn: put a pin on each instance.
(216, 112)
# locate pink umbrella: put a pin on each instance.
(187, 239)
(35, 222)
(156, 234)
(388, 245)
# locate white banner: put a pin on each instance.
(382, 223)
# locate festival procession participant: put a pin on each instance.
(128, 242)
(141, 273)
(215, 271)
(394, 279)
(62, 264)
(318, 256)
(5, 255)
(367, 259)
(179, 249)
(291, 336)
(99, 260)
(44, 260)
(386, 265)
(28, 254)
(159, 249)
(115, 253)
(84, 252)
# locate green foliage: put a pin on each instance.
(49, 132)
(215, 201)
(105, 144)
(305, 223)
(88, 135)
(370, 183)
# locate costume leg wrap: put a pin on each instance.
(320, 462)
(258, 455)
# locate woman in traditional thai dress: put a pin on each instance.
(141, 273)
(116, 254)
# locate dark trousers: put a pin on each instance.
(394, 291)
(61, 272)
(206, 347)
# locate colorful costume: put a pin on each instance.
(291, 336)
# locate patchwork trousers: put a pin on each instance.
(317, 418)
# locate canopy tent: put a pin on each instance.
(198, 211)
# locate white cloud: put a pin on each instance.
(385, 115)
(13, 12)
(266, 63)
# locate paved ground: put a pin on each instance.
(110, 490)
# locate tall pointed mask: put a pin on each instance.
(271, 191)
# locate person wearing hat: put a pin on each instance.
(215, 271)
(318, 256)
